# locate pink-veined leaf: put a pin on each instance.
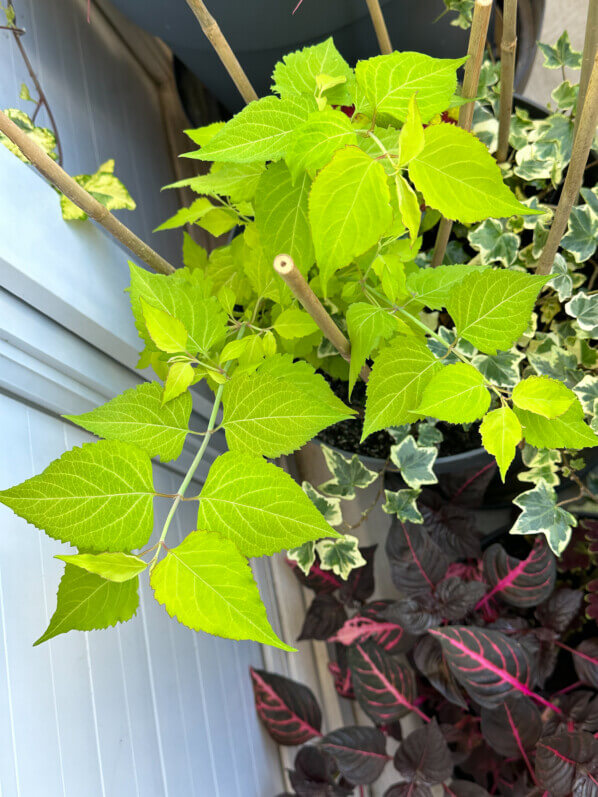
(323, 618)
(370, 624)
(288, 709)
(359, 752)
(585, 659)
(416, 563)
(320, 581)
(513, 727)
(568, 761)
(429, 660)
(424, 756)
(520, 582)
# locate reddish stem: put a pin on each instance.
(576, 652)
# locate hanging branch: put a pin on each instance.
(575, 173)
(379, 26)
(590, 46)
(223, 49)
(288, 271)
(508, 48)
(475, 51)
(70, 188)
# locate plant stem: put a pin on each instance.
(288, 271)
(475, 52)
(71, 189)
(379, 26)
(508, 48)
(590, 46)
(223, 49)
(575, 174)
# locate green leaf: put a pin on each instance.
(544, 396)
(167, 332)
(258, 506)
(582, 233)
(396, 384)
(415, 462)
(271, 415)
(457, 394)
(495, 244)
(367, 325)
(348, 209)
(431, 286)
(312, 144)
(86, 602)
(458, 176)
(304, 377)
(492, 309)
(203, 135)
(294, 323)
(561, 54)
(408, 206)
(403, 504)
(281, 216)
(348, 474)
(137, 416)
(569, 430)
(297, 73)
(116, 566)
(260, 131)
(501, 369)
(341, 556)
(304, 555)
(98, 497)
(208, 586)
(238, 181)
(390, 81)
(541, 515)
(180, 377)
(411, 137)
(194, 255)
(24, 93)
(216, 220)
(329, 507)
(501, 432)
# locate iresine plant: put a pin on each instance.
(341, 193)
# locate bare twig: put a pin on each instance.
(575, 174)
(508, 49)
(590, 46)
(379, 26)
(475, 51)
(288, 271)
(223, 49)
(65, 183)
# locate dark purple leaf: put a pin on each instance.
(451, 527)
(408, 790)
(456, 598)
(430, 662)
(343, 683)
(389, 635)
(465, 788)
(567, 763)
(416, 563)
(424, 756)
(469, 488)
(314, 774)
(576, 556)
(591, 598)
(511, 727)
(320, 581)
(542, 653)
(586, 662)
(359, 752)
(384, 686)
(360, 584)
(521, 582)
(288, 709)
(580, 713)
(559, 611)
(323, 618)
(416, 615)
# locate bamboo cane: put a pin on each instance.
(475, 51)
(590, 46)
(223, 49)
(379, 24)
(508, 50)
(65, 183)
(575, 173)
(285, 267)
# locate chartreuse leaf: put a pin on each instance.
(411, 137)
(569, 430)
(98, 497)
(543, 395)
(216, 220)
(395, 387)
(103, 186)
(329, 506)
(294, 323)
(367, 325)
(208, 586)
(258, 506)
(281, 216)
(458, 176)
(270, 415)
(304, 377)
(457, 394)
(408, 206)
(403, 504)
(341, 556)
(348, 474)
(390, 81)
(348, 209)
(87, 601)
(116, 566)
(312, 144)
(179, 378)
(203, 135)
(166, 331)
(297, 73)
(491, 309)
(415, 462)
(260, 131)
(431, 286)
(542, 515)
(501, 432)
(238, 181)
(304, 555)
(137, 416)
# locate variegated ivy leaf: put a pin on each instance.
(561, 280)
(584, 308)
(348, 474)
(403, 504)
(502, 369)
(485, 127)
(304, 555)
(428, 434)
(42, 136)
(561, 54)
(542, 463)
(587, 392)
(462, 346)
(341, 556)
(104, 186)
(565, 95)
(329, 506)
(493, 243)
(541, 515)
(582, 233)
(415, 462)
(548, 357)
(591, 197)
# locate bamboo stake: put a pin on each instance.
(575, 174)
(471, 79)
(285, 267)
(65, 183)
(590, 46)
(508, 48)
(223, 49)
(379, 24)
